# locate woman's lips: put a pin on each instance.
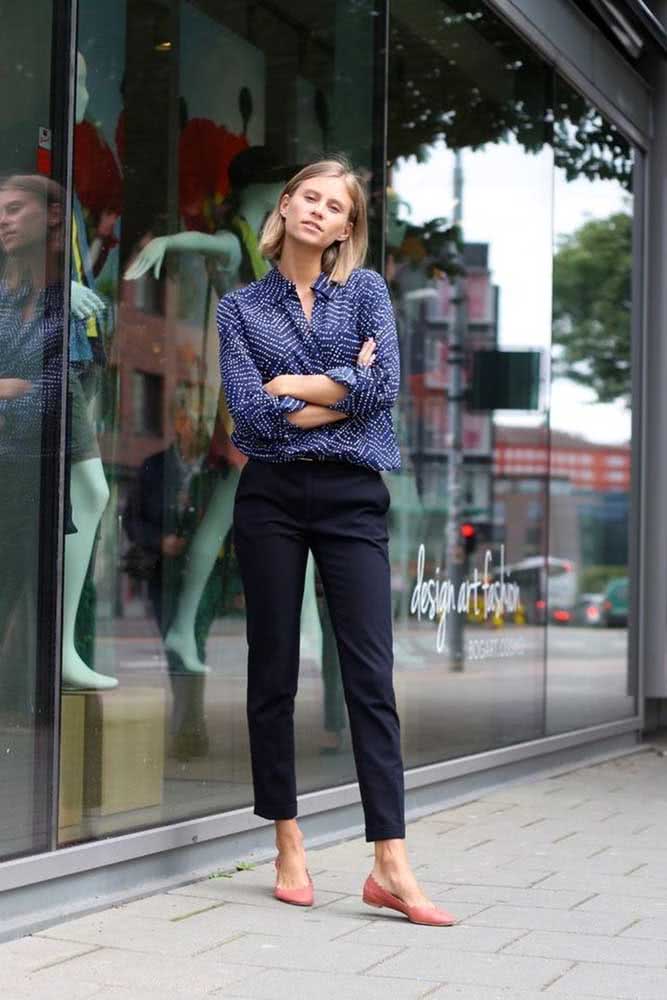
(313, 225)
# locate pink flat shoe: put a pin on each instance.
(297, 897)
(430, 916)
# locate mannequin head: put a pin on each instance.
(256, 202)
(256, 180)
(82, 95)
(324, 207)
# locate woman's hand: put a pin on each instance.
(11, 388)
(277, 386)
(367, 354)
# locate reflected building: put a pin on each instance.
(513, 190)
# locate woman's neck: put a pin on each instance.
(299, 263)
(34, 268)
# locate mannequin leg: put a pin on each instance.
(180, 644)
(89, 496)
(311, 629)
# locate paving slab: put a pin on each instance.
(273, 951)
(620, 982)
(282, 984)
(591, 948)
(539, 918)
(473, 968)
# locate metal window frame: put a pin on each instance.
(602, 85)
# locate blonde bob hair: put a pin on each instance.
(340, 259)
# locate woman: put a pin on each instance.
(31, 334)
(309, 363)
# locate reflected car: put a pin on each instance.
(589, 610)
(615, 604)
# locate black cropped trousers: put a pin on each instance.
(337, 510)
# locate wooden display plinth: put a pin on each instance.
(72, 732)
(124, 750)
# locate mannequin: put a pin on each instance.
(89, 492)
(254, 195)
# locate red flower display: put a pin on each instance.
(97, 178)
(205, 152)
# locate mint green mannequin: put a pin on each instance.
(256, 201)
(89, 496)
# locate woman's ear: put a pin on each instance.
(284, 202)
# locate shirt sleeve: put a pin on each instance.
(374, 388)
(41, 402)
(256, 413)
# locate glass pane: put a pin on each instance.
(191, 116)
(590, 466)
(469, 262)
(32, 221)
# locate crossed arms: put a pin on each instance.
(319, 392)
(268, 411)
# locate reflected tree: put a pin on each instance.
(592, 306)
(462, 78)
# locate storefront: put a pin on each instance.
(507, 148)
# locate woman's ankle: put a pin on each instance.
(288, 836)
(390, 854)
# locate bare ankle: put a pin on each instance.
(288, 835)
(390, 853)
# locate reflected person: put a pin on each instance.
(164, 508)
(32, 213)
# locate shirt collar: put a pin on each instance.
(279, 287)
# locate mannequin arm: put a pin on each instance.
(223, 244)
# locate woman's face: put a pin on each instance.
(23, 220)
(318, 212)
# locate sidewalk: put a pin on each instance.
(560, 886)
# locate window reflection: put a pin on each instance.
(190, 117)
(32, 244)
(590, 418)
(469, 261)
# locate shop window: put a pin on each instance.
(190, 117)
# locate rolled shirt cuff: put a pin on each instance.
(288, 404)
(344, 375)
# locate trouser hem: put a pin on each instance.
(274, 813)
(387, 833)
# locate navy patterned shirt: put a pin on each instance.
(30, 349)
(264, 332)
